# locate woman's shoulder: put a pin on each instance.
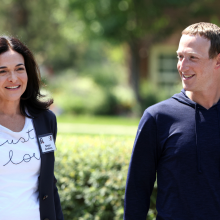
(48, 114)
(45, 122)
(37, 114)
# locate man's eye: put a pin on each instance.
(192, 57)
(2, 71)
(179, 57)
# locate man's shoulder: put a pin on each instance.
(162, 107)
(163, 113)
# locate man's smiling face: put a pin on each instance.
(194, 66)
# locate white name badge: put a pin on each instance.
(47, 143)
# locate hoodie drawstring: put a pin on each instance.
(197, 147)
(183, 98)
(218, 127)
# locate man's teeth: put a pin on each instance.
(12, 87)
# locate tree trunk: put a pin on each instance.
(134, 66)
(19, 16)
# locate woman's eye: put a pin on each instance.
(20, 69)
(2, 71)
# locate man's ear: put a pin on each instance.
(217, 65)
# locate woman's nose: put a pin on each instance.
(12, 77)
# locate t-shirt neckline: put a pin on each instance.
(16, 132)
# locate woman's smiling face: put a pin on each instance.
(13, 76)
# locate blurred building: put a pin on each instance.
(159, 62)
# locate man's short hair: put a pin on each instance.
(209, 31)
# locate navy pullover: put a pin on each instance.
(179, 141)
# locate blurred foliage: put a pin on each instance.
(95, 38)
(71, 33)
(126, 20)
(50, 23)
(96, 94)
(152, 94)
(35, 23)
(139, 24)
(91, 173)
(100, 93)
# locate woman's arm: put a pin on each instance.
(59, 213)
(58, 209)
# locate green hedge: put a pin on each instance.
(91, 173)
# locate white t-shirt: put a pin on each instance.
(19, 172)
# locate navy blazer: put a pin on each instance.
(50, 208)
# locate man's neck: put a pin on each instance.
(207, 100)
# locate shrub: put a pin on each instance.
(85, 95)
(80, 95)
(151, 94)
(124, 96)
(91, 173)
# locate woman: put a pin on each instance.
(27, 135)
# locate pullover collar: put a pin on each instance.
(183, 98)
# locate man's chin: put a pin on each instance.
(187, 87)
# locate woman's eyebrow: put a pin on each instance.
(20, 64)
(3, 67)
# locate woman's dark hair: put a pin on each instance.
(30, 99)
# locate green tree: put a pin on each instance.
(56, 30)
(39, 25)
(135, 22)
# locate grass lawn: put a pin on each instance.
(101, 120)
(98, 125)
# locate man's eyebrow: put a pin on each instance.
(188, 52)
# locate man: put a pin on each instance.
(179, 139)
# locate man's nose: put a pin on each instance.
(183, 65)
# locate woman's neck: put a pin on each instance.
(10, 108)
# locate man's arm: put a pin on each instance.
(142, 170)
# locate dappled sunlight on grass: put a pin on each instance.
(96, 129)
(97, 125)
(108, 120)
